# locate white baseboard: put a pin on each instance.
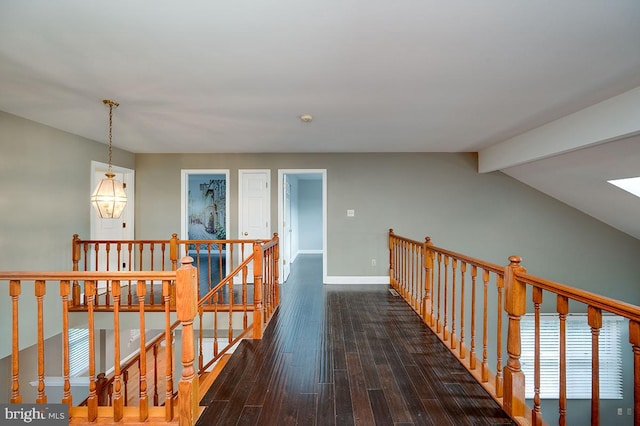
(381, 279)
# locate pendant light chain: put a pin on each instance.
(110, 133)
(111, 104)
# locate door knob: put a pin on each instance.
(245, 233)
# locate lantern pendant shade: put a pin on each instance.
(109, 198)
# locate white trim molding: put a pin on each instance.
(353, 279)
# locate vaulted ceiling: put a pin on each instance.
(515, 81)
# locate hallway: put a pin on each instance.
(345, 355)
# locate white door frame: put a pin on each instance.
(323, 173)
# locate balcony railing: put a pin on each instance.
(468, 303)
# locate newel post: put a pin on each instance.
(258, 307)
(173, 251)
(515, 306)
(186, 310)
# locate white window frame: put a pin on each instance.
(578, 356)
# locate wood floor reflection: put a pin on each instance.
(345, 355)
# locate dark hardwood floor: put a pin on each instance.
(345, 355)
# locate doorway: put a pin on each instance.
(302, 216)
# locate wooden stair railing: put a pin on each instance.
(211, 258)
(436, 282)
(256, 309)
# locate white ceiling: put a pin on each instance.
(378, 76)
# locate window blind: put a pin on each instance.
(578, 338)
(78, 350)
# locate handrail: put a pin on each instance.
(614, 306)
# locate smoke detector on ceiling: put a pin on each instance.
(306, 118)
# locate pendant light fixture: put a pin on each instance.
(109, 198)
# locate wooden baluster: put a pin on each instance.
(536, 413)
(96, 250)
(118, 405)
(485, 363)
(92, 400)
(454, 273)
(258, 313)
(215, 329)
(445, 331)
(391, 258)
(516, 306)
(463, 271)
(65, 288)
(14, 292)
(563, 310)
(40, 291)
(499, 377)
(201, 335)
(75, 258)
(143, 407)
(155, 375)
(415, 271)
(427, 314)
(119, 252)
(168, 351)
(187, 304)
(231, 310)
(245, 317)
(221, 272)
(595, 321)
(163, 249)
(634, 339)
(125, 382)
(140, 256)
(130, 295)
(405, 271)
(472, 354)
(107, 300)
(432, 315)
(152, 299)
(276, 268)
(438, 322)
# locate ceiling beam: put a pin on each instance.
(613, 119)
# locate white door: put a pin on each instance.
(112, 229)
(254, 206)
(285, 239)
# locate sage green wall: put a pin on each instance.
(44, 200)
(489, 216)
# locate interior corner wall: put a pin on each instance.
(44, 200)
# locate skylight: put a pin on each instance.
(631, 185)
